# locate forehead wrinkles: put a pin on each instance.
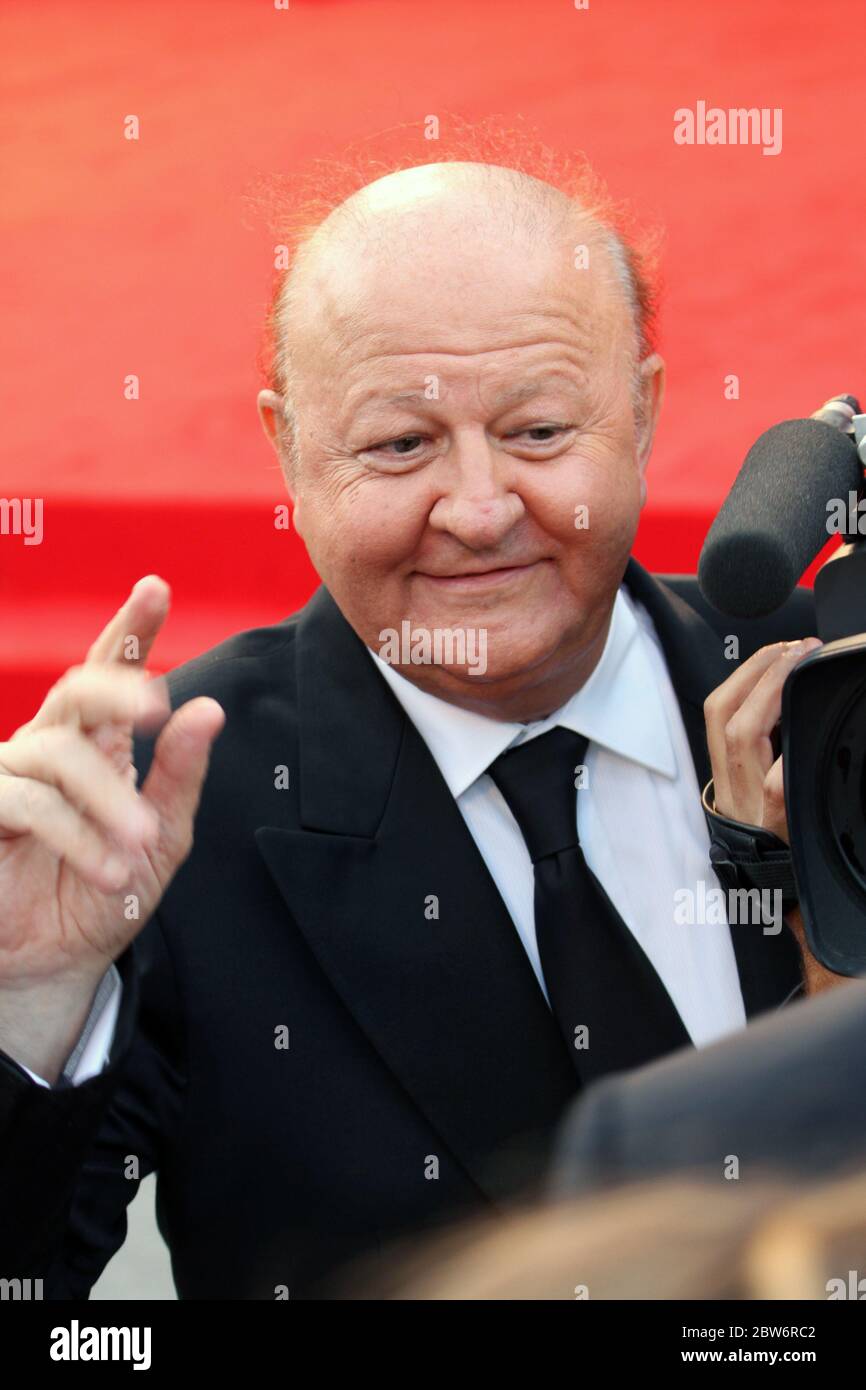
(369, 314)
(349, 345)
(483, 376)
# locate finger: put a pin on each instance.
(90, 695)
(727, 697)
(62, 757)
(748, 743)
(721, 705)
(130, 634)
(34, 808)
(180, 761)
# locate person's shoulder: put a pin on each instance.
(233, 666)
(796, 618)
(785, 1089)
(250, 674)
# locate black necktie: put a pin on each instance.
(609, 1002)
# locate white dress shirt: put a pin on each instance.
(90, 1053)
(639, 821)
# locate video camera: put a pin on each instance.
(801, 483)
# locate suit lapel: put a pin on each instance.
(395, 901)
(768, 966)
(693, 651)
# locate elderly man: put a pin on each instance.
(421, 899)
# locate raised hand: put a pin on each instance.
(85, 855)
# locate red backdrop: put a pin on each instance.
(140, 257)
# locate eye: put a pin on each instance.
(540, 434)
(405, 444)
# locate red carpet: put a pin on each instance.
(141, 257)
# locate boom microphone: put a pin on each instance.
(774, 520)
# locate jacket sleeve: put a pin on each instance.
(586, 1156)
(72, 1157)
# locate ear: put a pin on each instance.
(272, 413)
(652, 393)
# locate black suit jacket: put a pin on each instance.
(785, 1097)
(424, 1076)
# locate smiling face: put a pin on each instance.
(462, 393)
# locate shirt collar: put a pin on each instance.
(620, 707)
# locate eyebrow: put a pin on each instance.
(528, 389)
(511, 396)
(404, 398)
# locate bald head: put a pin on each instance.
(412, 227)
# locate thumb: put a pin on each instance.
(774, 815)
(180, 761)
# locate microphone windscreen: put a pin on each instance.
(774, 521)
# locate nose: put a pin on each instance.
(478, 506)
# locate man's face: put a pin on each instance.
(467, 453)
